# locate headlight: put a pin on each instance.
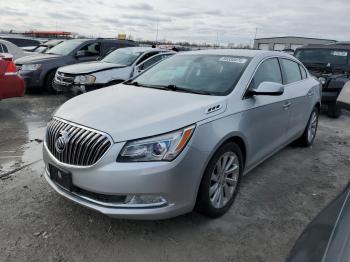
(164, 147)
(85, 80)
(30, 67)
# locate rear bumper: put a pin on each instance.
(11, 86)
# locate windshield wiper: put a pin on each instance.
(185, 90)
(169, 88)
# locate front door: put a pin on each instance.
(266, 117)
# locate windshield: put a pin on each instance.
(210, 74)
(122, 56)
(322, 56)
(64, 48)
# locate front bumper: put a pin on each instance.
(73, 89)
(32, 79)
(177, 182)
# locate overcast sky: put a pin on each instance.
(231, 21)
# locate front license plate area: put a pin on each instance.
(61, 178)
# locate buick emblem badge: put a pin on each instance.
(61, 141)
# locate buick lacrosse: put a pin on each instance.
(181, 135)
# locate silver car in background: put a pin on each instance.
(180, 135)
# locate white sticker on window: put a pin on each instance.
(233, 60)
(339, 53)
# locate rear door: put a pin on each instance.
(296, 88)
(266, 117)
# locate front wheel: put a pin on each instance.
(49, 82)
(309, 135)
(221, 181)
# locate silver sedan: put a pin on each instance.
(181, 135)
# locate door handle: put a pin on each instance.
(287, 105)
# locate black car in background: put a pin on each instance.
(38, 70)
(331, 65)
(327, 237)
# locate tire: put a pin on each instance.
(334, 111)
(49, 82)
(213, 184)
(309, 135)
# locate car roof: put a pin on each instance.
(330, 46)
(82, 40)
(144, 49)
(236, 52)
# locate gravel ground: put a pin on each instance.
(277, 200)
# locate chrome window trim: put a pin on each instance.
(278, 57)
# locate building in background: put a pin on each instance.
(287, 42)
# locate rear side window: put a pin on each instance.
(291, 70)
(3, 49)
(268, 71)
(303, 72)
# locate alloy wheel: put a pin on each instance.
(224, 179)
(312, 127)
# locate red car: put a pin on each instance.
(11, 84)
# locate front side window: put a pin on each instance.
(212, 74)
(90, 50)
(146, 56)
(152, 61)
(291, 70)
(268, 71)
(3, 49)
(122, 56)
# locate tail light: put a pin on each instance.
(10, 67)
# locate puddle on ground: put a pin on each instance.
(27, 153)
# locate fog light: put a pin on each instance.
(144, 201)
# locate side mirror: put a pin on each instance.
(267, 89)
(80, 53)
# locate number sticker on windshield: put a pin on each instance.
(339, 53)
(233, 60)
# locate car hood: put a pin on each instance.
(130, 112)
(36, 58)
(89, 67)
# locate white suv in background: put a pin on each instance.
(116, 67)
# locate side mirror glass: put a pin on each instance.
(267, 89)
(80, 53)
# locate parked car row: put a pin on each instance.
(39, 70)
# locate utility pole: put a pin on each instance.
(157, 34)
(256, 34)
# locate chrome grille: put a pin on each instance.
(81, 146)
(64, 79)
